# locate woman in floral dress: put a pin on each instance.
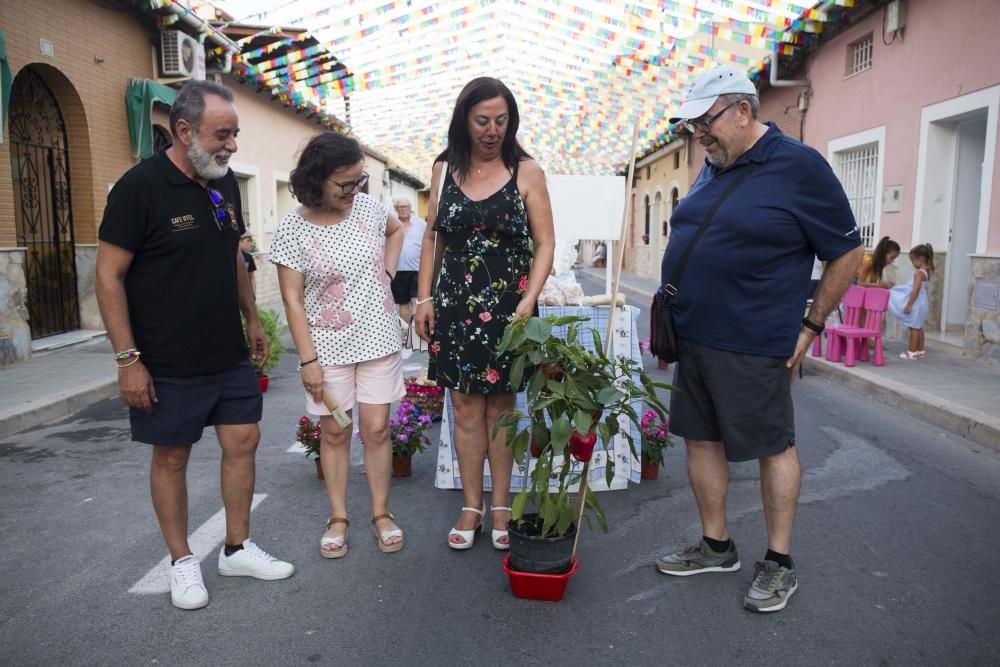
(492, 240)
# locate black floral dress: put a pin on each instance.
(484, 272)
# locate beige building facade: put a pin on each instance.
(661, 181)
(66, 142)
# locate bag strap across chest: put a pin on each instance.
(669, 291)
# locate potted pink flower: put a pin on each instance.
(655, 438)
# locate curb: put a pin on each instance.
(976, 426)
(59, 406)
(72, 400)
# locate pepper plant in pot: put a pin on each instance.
(576, 401)
(270, 322)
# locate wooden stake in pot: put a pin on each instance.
(582, 499)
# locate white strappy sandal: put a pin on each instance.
(339, 543)
(383, 535)
(468, 535)
(497, 534)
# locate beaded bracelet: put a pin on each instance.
(125, 355)
(423, 301)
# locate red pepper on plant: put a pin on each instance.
(536, 449)
(582, 446)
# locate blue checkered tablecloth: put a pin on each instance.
(625, 341)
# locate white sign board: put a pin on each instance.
(587, 207)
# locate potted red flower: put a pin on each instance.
(270, 322)
(309, 434)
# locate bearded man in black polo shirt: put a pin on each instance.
(171, 285)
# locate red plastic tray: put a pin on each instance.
(533, 586)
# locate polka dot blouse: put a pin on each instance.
(348, 303)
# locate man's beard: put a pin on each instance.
(204, 163)
(720, 158)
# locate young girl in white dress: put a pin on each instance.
(909, 303)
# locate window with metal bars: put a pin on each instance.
(245, 183)
(857, 170)
(859, 55)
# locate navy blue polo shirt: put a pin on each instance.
(746, 282)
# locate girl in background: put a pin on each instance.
(872, 268)
(908, 303)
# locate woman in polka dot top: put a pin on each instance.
(336, 254)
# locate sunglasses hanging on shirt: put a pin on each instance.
(220, 212)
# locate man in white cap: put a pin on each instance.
(763, 206)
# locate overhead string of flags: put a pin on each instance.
(581, 71)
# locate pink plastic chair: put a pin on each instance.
(855, 339)
(853, 301)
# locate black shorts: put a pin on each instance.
(186, 405)
(404, 286)
(744, 400)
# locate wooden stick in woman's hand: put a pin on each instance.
(335, 410)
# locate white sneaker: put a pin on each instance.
(187, 590)
(252, 561)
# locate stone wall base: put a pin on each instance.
(15, 335)
(982, 324)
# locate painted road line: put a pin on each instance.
(203, 542)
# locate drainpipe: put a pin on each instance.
(803, 101)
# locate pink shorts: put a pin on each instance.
(376, 382)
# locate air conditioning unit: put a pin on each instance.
(895, 17)
(181, 55)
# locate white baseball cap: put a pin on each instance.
(708, 86)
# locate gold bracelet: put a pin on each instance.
(134, 359)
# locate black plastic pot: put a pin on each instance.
(542, 555)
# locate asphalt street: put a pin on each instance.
(896, 547)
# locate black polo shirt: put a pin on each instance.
(181, 286)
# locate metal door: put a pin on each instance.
(42, 210)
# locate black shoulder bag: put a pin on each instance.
(662, 339)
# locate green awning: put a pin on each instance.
(6, 80)
(139, 102)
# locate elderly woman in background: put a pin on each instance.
(336, 255)
(494, 248)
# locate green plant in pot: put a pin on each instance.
(270, 322)
(575, 399)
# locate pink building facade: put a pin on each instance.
(909, 121)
